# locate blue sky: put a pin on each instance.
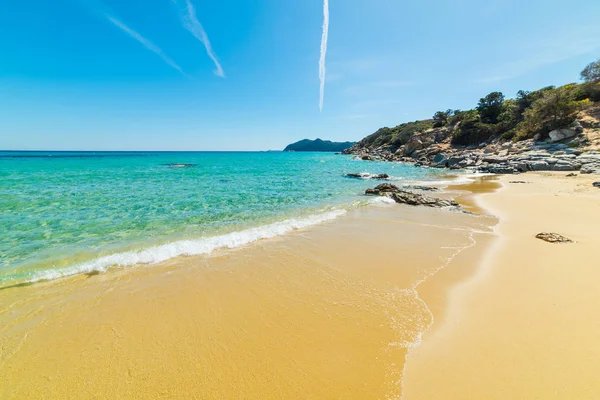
(136, 74)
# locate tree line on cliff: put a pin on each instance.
(528, 115)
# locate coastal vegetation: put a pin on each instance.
(529, 114)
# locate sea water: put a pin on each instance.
(66, 213)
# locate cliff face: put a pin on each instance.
(319, 145)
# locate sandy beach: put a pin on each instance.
(526, 323)
(388, 301)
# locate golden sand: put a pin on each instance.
(324, 313)
(526, 324)
(335, 310)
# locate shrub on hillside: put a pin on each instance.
(554, 110)
(472, 130)
(490, 107)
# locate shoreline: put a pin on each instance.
(299, 305)
(518, 325)
(317, 291)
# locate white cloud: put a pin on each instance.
(539, 55)
(191, 23)
(148, 44)
(324, 39)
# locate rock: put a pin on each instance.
(577, 127)
(518, 182)
(366, 157)
(564, 165)
(364, 175)
(440, 158)
(596, 184)
(383, 188)
(181, 165)
(553, 238)
(454, 160)
(495, 159)
(539, 166)
(537, 137)
(590, 169)
(499, 169)
(422, 188)
(561, 134)
(410, 198)
(570, 175)
(414, 199)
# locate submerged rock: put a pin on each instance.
(367, 176)
(553, 238)
(181, 165)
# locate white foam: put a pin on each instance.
(381, 200)
(157, 254)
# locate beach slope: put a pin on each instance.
(526, 325)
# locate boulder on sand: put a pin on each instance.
(553, 238)
(410, 198)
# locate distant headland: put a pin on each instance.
(319, 145)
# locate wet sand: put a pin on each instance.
(327, 312)
(526, 323)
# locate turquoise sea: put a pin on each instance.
(65, 213)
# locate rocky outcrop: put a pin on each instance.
(573, 148)
(365, 175)
(410, 198)
(553, 238)
(561, 134)
(383, 188)
(421, 188)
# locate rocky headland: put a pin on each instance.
(572, 148)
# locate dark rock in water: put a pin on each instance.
(414, 199)
(181, 165)
(367, 176)
(366, 158)
(383, 188)
(422, 188)
(410, 198)
(553, 238)
(596, 184)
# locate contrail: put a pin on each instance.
(148, 44)
(324, 39)
(191, 23)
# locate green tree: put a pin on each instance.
(591, 73)
(441, 118)
(554, 110)
(490, 107)
(472, 130)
